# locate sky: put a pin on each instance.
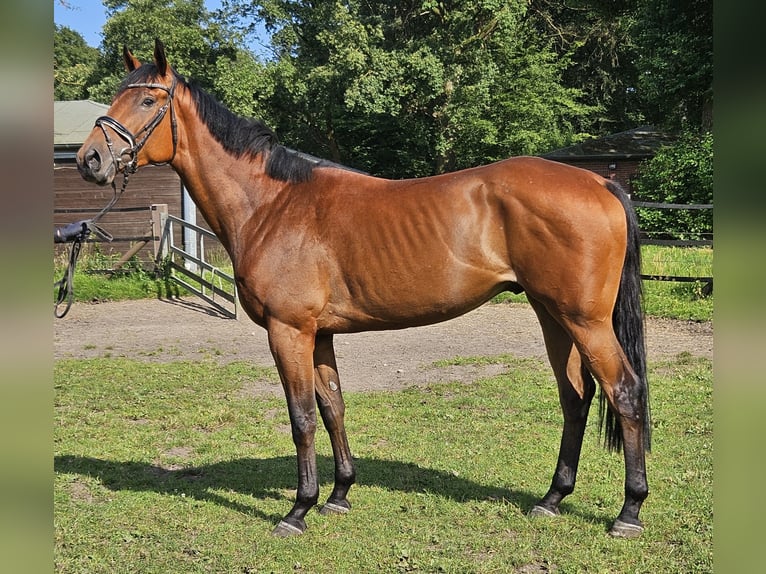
(84, 16)
(88, 17)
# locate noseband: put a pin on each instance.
(127, 158)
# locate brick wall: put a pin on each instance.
(624, 169)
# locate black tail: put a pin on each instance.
(628, 322)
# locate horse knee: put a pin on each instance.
(304, 428)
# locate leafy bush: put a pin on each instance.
(679, 173)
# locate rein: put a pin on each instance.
(77, 233)
(127, 160)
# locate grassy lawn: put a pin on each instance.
(172, 468)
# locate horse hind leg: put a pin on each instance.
(626, 397)
(332, 409)
(576, 389)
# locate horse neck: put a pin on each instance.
(225, 189)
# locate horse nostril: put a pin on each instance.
(93, 160)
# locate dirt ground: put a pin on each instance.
(187, 329)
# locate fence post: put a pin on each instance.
(159, 216)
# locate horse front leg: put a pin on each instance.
(332, 408)
(293, 353)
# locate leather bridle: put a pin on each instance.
(127, 158)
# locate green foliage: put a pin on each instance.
(415, 88)
(679, 173)
(418, 89)
(198, 45)
(96, 280)
(674, 40)
(177, 467)
(74, 63)
(595, 38)
(236, 83)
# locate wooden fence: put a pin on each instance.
(647, 239)
(130, 221)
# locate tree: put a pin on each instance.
(595, 36)
(675, 62)
(679, 173)
(425, 86)
(414, 88)
(199, 45)
(74, 63)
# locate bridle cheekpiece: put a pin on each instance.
(127, 158)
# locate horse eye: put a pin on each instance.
(148, 102)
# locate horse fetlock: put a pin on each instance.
(634, 497)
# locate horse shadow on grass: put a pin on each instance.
(276, 477)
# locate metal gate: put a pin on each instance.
(190, 269)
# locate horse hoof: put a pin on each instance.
(622, 529)
(542, 512)
(333, 508)
(285, 529)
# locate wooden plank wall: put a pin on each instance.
(150, 185)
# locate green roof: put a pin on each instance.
(73, 121)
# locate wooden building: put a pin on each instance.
(76, 199)
(616, 156)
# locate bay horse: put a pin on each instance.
(318, 250)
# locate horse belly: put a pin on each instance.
(418, 271)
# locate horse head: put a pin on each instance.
(137, 129)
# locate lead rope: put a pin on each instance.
(78, 233)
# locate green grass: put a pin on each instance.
(173, 468)
(677, 300)
(96, 281)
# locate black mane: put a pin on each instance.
(239, 136)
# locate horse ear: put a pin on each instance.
(131, 62)
(159, 57)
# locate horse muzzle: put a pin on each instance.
(96, 166)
